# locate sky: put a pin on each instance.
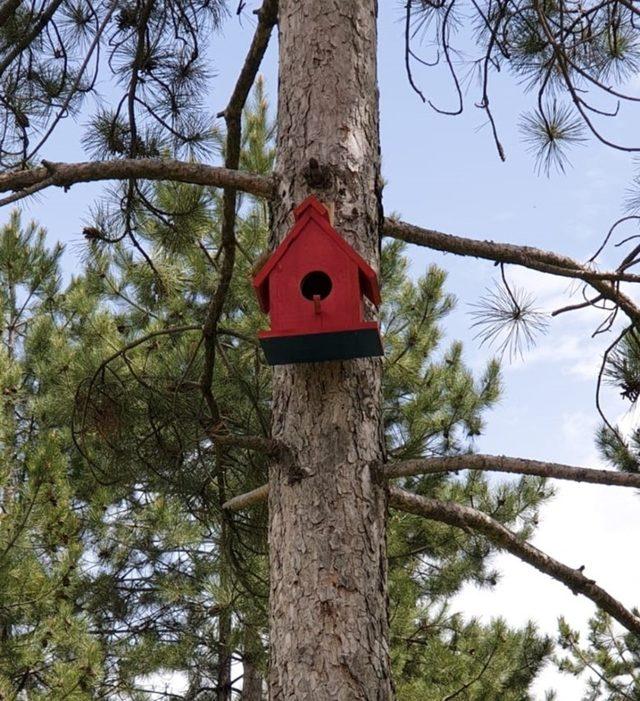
(444, 173)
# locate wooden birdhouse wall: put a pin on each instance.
(313, 252)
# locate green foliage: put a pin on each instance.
(432, 405)
(622, 370)
(550, 131)
(464, 659)
(623, 453)
(149, 54)
(623, 367)
(46, 646)
(609, 659)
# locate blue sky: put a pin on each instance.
(444, 173)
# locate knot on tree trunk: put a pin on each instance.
(317, 176)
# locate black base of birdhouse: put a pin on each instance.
(319, 347)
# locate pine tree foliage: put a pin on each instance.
(466, 660)
(610, 659)
(148, 56)
(623, 367)
(145, 61)
(622, 370)
(47, 649)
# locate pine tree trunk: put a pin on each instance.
(328, 609)
(223, 692)
(224, 686)
(252, 679)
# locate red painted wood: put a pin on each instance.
(312, 251)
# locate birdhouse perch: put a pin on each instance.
(313, 288)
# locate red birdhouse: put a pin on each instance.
(313, 288)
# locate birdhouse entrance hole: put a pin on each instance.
(316, 285)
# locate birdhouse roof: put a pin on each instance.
(313, 209)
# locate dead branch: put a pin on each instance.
(67, 174)
(467, 519)
(503, 463)
(525, 256)
(244, 501)
(267, 18)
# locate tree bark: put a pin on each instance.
(251, 682)
(328, 609)
(252, 679)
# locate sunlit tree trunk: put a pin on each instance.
(328, 609)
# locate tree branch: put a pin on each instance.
(67, 174)
(525, 256)
(244, 501)
(502, 463)
(267, 18)
(467, 518)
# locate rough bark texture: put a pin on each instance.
(252, 680)
(328, 611)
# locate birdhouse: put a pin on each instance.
(313, 288)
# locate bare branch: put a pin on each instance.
(519, 466)
(244, 501)
(67, 174)
(467, 518)
(490, 463)
(267, 18)
(525, 256)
